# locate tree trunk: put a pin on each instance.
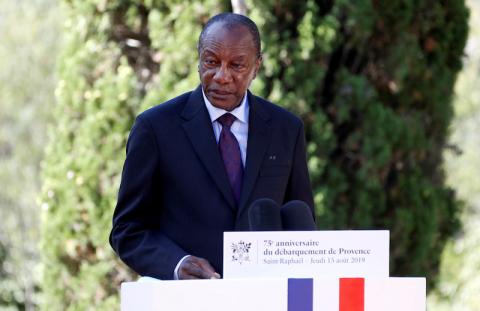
(239, 7)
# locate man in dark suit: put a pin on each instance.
(196, 162)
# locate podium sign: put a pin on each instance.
(306, 254)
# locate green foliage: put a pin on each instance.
(27, 60)
(10, 290)
(371, 79)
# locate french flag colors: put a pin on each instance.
(351, 295)
(277, 294)
(356, 294)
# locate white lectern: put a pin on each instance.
(340, 294)
(290, 271)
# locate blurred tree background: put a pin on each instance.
(373, 81)
(28, 48)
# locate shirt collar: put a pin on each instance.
(241, 112)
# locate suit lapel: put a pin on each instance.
(258, 137)
(198, 127)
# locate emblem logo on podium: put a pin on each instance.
(241, 252)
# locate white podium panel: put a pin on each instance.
(306, 254)
(346, 294)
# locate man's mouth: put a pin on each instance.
(219, 93)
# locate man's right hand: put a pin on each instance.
(196, 268)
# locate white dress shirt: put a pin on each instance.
(239, 129)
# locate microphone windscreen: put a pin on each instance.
(264, 215)
(297, 216)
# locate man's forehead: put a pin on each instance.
(227, 32)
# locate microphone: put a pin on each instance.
(297, 216)
(264, 215)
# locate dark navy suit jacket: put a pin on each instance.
(175, 198)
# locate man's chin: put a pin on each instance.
(224, 107)
(227, 105)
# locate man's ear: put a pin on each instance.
(258, 64)
(259, 60)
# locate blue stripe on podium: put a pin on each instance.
(300, 295)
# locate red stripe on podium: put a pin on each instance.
(352, 293)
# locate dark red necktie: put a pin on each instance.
(230, 152)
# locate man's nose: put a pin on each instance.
(223, 75)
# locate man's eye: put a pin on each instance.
(238, 66)
(210, 61)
